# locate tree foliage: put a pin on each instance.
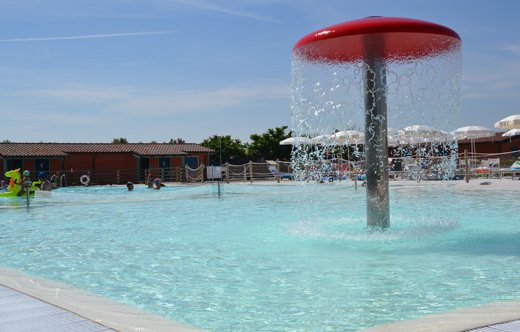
(177, 141)
(120, 140)
(267, 145)
(232, 149)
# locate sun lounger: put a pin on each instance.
(282, 175)
(513, 170)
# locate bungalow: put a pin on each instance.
(104, 163)
(497, 144)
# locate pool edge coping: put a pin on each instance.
(462, 319)
(102, 310)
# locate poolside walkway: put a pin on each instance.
(513, 326)
(21, 312)
(492, 317)
(30, 303)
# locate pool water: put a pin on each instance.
(269, 257)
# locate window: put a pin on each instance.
(41, 165)
(192, 162)
(164, 162)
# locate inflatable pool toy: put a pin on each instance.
(14, 187)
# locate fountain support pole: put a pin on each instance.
(376, 139)
(376, 41)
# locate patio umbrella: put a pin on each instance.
(347, 137)
(295, 141)
(472, 133)
(512, 132)
(322, 140)
(510, 122)
(419, 134)
(422, 130)
(393, 137)
(393, 141)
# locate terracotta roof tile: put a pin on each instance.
(192, 147)
(31, 150)
(21, 150)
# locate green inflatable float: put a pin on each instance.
(15, 184)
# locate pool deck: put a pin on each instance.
(21, 312)
(29, 303)
(488, 185)
(505, 184)
(493, 317)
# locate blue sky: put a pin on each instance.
(93, 70)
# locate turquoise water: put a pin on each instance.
(271, 257)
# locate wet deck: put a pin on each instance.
(21, 312)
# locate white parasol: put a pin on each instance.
(512, 132)
(295, 141)
(322, 140)
(347, 137)
(419, 134)
(472, 133)
(510, 122)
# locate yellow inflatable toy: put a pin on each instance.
(15, 189)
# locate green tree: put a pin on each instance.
(267, 145)
(120, 140)
(177, 141)
(232, 149)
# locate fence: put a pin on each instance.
(468, 165)
(488, 165)
(255, 171)
(75, 177)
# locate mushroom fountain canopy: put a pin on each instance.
(389, 38)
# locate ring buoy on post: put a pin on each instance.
(84, 179)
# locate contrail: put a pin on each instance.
(107, 35)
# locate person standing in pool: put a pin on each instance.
(149, 180)
(24, 183)
(45, 185)
(130, 186)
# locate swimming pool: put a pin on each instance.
(271, 257)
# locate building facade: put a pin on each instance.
(104, 163)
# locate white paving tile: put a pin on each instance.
(513, 326)
(22, 313)
(27, 314)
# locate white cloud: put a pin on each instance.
(513, 48)
(83, 94)
(96, 36)
(165, 102)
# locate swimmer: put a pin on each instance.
(130, 186)
(156, 184)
